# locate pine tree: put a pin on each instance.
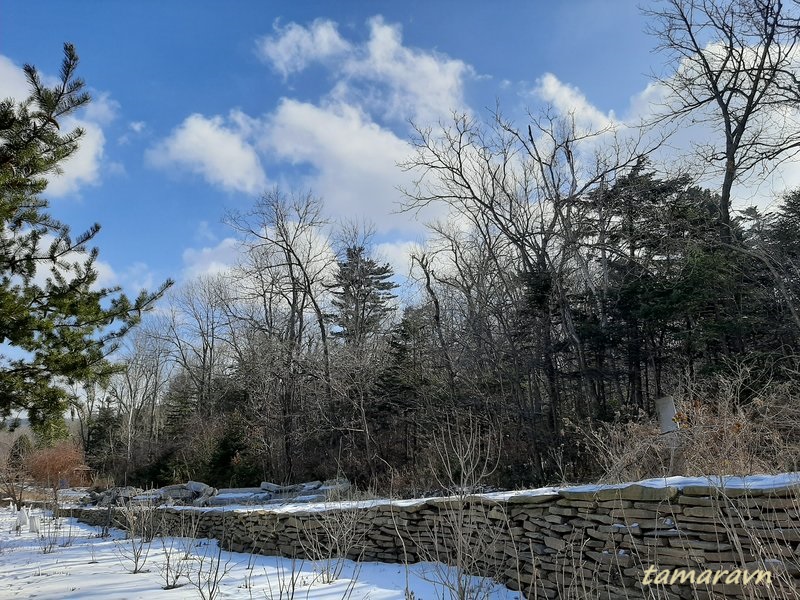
(362, 292)
(59, 325)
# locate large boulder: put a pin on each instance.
(177, 492)
(199, 488)
(271, 487)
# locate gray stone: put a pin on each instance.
(177, 492)
(199, 488)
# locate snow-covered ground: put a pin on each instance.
(79, 564)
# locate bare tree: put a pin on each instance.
(195, 329)
(289, 262)
(736, 70)
(528, 192)
(138, 388)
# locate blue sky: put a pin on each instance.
(200, 106)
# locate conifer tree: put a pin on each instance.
(56, 324)
(362, 291)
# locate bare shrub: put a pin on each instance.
(141, 525)
(208, 570)
(330, 538)
(287, 580)
(464, 455)
(189, 525)
(48, 535)
(52, 467)
(728, 425)
(173, 567)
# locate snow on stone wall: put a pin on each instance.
(581, 542)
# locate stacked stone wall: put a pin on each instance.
(577, 543)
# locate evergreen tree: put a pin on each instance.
(362, 292)
(58, 323)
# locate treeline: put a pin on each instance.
(573, 279)
(529, 318)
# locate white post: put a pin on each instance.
(666, 414)
(669, 426)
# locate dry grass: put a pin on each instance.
(727, 426)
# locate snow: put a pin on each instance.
(82, 565)
(295, 505)
(749, 482)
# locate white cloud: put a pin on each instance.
(293, 47)
(13, 83)
(137, 126)
(215, 148)
(344, 137)
(569, 100)
(211, 259)
(397, 254)
(678, 153)
(419, 84)
(102, 109)
(382, 76)
(355, 160)
(106, 276)
(83, 167)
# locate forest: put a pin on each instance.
(578, 273)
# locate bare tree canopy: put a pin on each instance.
(735, 69)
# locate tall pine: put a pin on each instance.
(56, 324)
(362, 293)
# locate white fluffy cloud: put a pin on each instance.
(216, 148)
(382, 75)
(419, 84)
(352, 138)
(569, 100)
(83, 167)
(677, 153)
(211, 259)
(354, 160)
(397, 254)
(12, 80)
(293, 47)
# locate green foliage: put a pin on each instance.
(102, 439)
(59, 323)
(362, 291)
(230, 464)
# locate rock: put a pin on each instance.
(332, 487)
(246, 490)
(271, 487)
(198, 488)
(128, 492)
(290, 489)
(177, 492)
(223, 500)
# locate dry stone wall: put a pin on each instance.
(566, 543)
